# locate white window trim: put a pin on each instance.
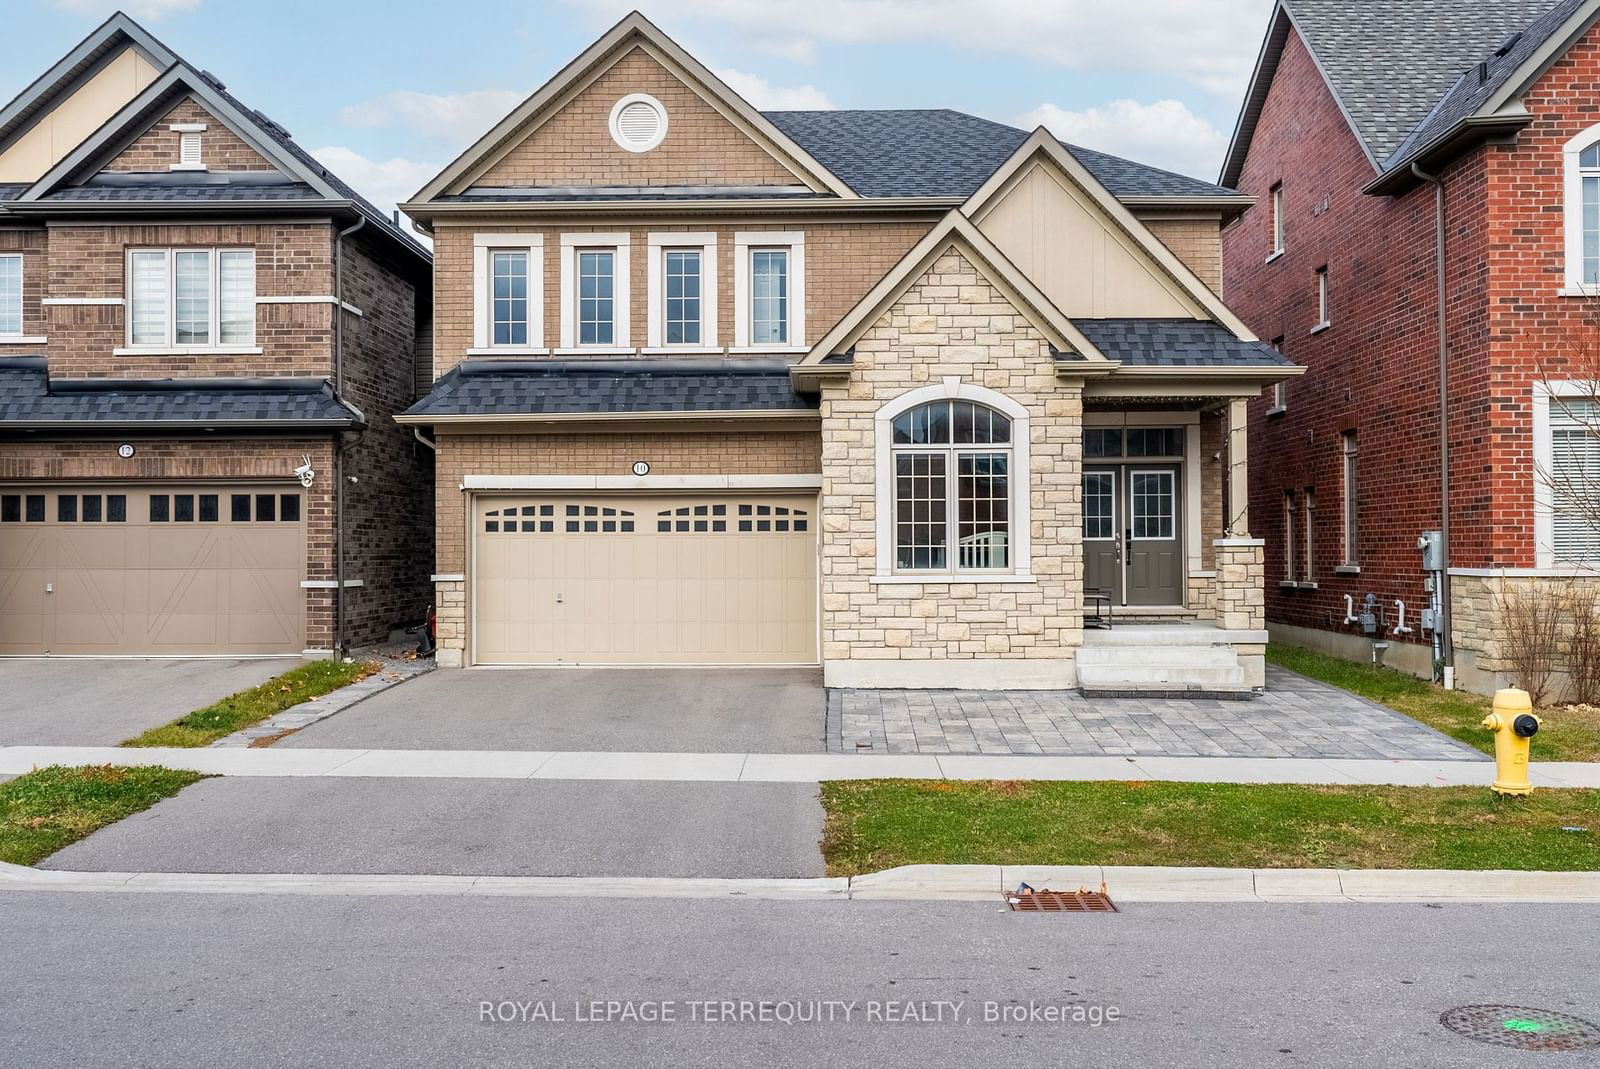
(743, 242)
(483, 248)
(1544, 498)
(1349, 502)
(170, 346)
(1021, 526)
(22, 301)
(1324, 319)
(1308, 512)
(622, 334)
(1572, 209)
(1278, 242)
(655, 273)
(1289, 507)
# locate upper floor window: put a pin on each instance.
(191, 297)
(508, 295)
(1351, 528)
(1581, 194)
(594, 291)
(1322, 299)
(597, 297)
(11, 294)
(1277, 219)
(769, 285)
(683, 291)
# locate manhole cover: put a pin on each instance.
(1522, 1027)
(1031, 901)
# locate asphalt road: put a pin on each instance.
(89, 702)
(185, 980)
(467, 827)
(669, 710)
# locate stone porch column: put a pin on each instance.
(1238, 525)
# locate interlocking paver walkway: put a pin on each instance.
(1296, 717)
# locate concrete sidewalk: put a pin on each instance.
(785, 768)
(1125, 884)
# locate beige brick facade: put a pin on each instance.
(574, 146)
(952, 322)
(220, 148)
(843, 261)
(1196, 240)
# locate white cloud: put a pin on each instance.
(384, 182)
(1163, 134)
(152, 10)
(1212, 44)
(458, 118)
(764, 96)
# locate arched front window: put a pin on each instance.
(1589, 181)
(952, 463)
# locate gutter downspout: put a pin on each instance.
(1447, 643)
(343, 446)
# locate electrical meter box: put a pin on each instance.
(1431, 543)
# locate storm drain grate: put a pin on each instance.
(1031, 901)
(1522, 1028)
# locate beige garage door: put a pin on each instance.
(709, 579)
(152, 570)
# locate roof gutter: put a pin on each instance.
(1446, 638)
(1464, 135)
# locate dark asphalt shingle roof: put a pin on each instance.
(486, 387)
(943, 153)
(29, 399)
(1176, 343)
(11, 190)
(1468, 94)
(1391, 61)
(191, 194)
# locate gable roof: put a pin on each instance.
(634, 30)
(304, 179)
(1041, 145)
(1387, 64)
(956, 230)
(944, 153)
(104, 41)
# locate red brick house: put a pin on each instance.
(204, 336)
(1398, 151)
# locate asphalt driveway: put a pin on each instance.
(467, 827)
(667, 710)
(66, 701)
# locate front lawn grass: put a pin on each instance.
(50, 808)
(1565, 735)
(879, 824)
(238, 711)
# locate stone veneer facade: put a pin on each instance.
(952, 322)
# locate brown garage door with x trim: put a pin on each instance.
(115, 570)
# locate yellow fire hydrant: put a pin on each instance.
(1513, 724)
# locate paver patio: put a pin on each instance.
(1296, 717)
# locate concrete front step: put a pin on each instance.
(1164, 662)
(1174, 657)
(1225, 677)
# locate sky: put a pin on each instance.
(388, 92)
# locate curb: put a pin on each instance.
(911, 883)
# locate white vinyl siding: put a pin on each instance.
(191, 298)
(10, 294)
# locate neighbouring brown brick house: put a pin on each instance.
(1355, 110)
(203, 339)
(903, 393)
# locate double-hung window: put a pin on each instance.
(191, 298)
(683, 274)
(952, 485)
(11, 294)
(595, 292)
(682, 280)
(1351, 528)
(1573, 479)
(508, 292)
(769, 285)
(597, 297)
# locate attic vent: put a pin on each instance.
(189, 149)
(638, 122)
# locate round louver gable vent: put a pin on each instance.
(638, 122)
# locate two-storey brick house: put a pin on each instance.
(896, 392)
(204, 336)
(1397, 153)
